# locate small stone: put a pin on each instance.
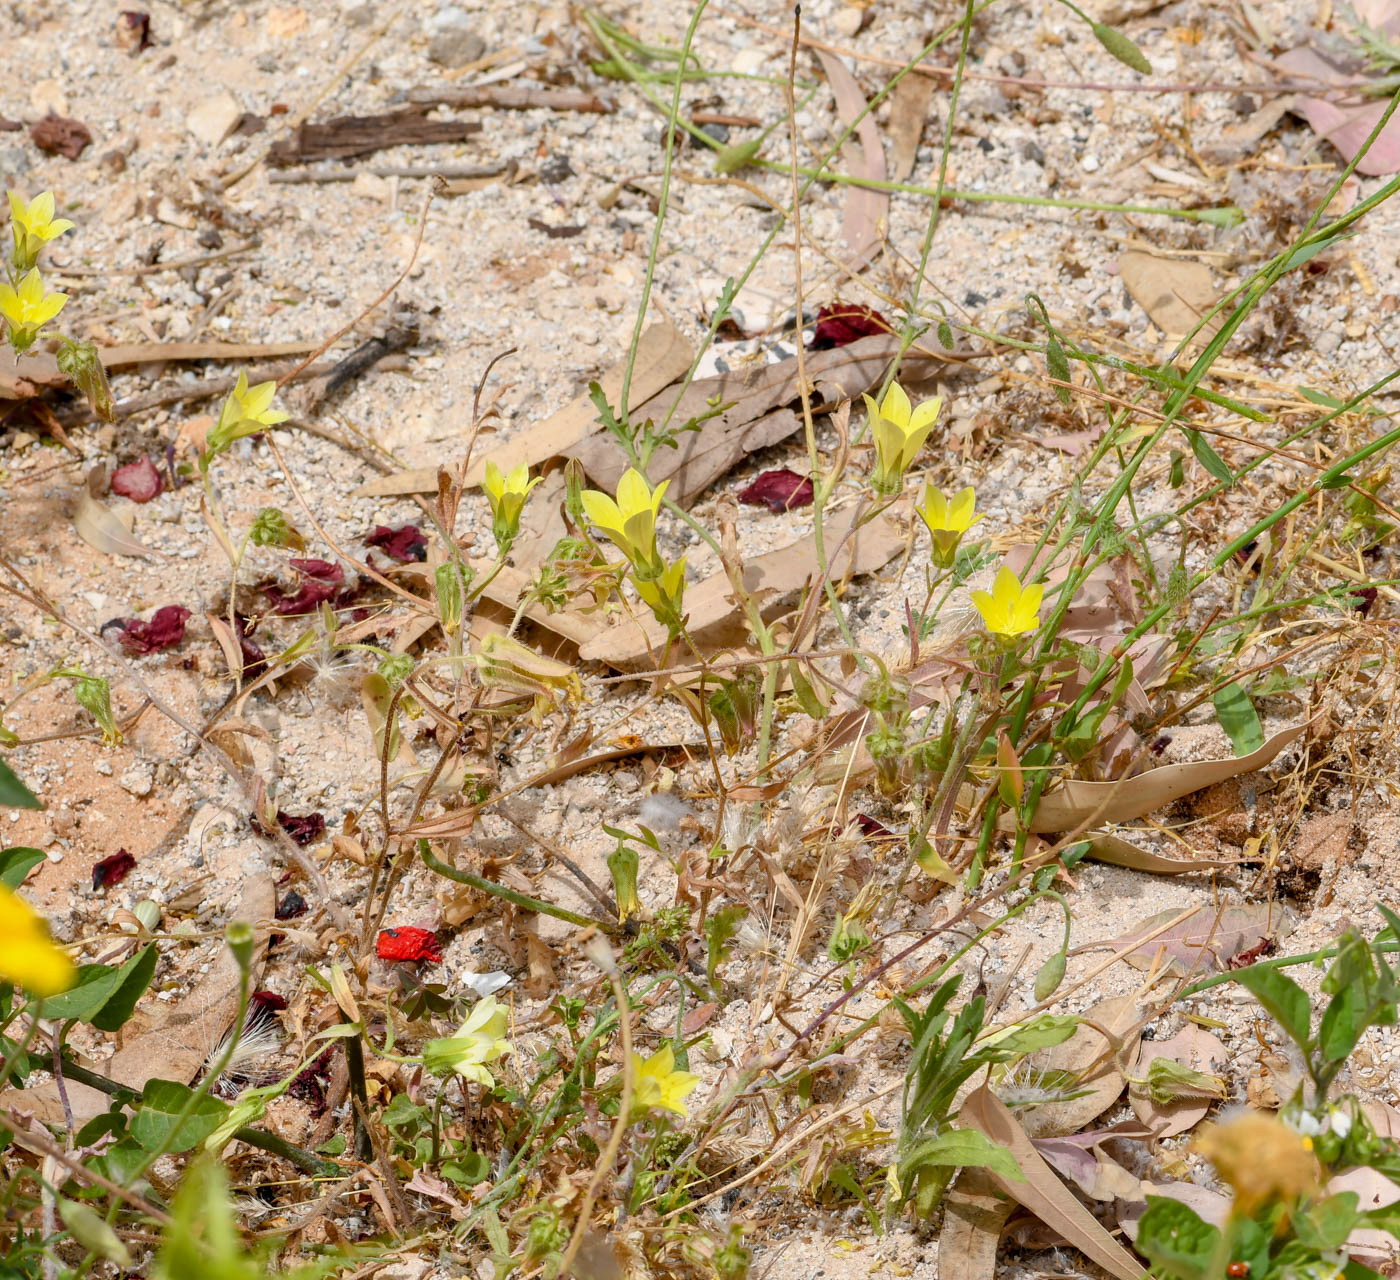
(14, 161)
(357, 13)
(47, 98)
(139, 780)
(556, 168)
(103, 766)
(369, 186)
(214, 119)
(848, 20)
(747, 61)
(1089, 163)
(1033, 152)
(454, 42)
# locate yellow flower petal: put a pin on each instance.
(28, 957)
(896, 406)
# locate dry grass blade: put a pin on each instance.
(1042, 1192)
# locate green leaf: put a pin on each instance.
(1320, 397)
(1168, 1081)
(1285, 1000)
(16, 863)
(13, 793)
(1041, 1032)
(962, 1149)
(1342, 1023)
(1239, 719)
(1327, 1224)
(105, 995)
(945, 335)
(1058, 365)
(1306, 252)
(1207, 457)
(1173, 1238)
(1122, 48)
(156, 1124)
(737, 156)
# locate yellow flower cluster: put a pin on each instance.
(26, 304)
(629, 523)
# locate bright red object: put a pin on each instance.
(409, 943)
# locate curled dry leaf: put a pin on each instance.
(1117, 852)
(1210, 1206)
(1076, 805)
(1042, 1192)
(866, 209)
(1192, 1047)
(974, 1216)
(100, 527)
(1097, 1175)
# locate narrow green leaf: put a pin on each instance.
(1207, 457)
(13, 793)
(1342, 1023)
(17, 863)
(1058, 365)
(963, 1149)
(1122, 48)
(1239, 719)
(1285, 1000)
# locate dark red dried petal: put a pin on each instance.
(404, 544)
(166, 628)
(870, 827)
(112, 870)
(134, 30)
(261, 1003)
(303, 830)
(409, 943)
(1366, 598)
(58, 135)
(139, 480)
(845, 322)
(291, 906)
(321, 570)
(780, 490)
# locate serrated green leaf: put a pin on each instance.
(1239, 719)
(1122, 48)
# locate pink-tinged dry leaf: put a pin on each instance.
(1203, 941)
(866, 209)
(404, 544)
(139, 480)
(112, 870)
(1098, 1176)
(1042, 1193)
(166, 628)
(1210, 1206)
(845, 322)
(1096, 1062)
(1344, 119)
(780, 490)
(1192, 1047)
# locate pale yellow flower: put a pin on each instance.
(1009, 609)
(247, 411)
(899, 429)
(657, 1085)
(28, 956)
(506, 492)
(630, 521)
(479, 1041)
(663, 593)
(33, 226)
(947, 520)
(28, 309)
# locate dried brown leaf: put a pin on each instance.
(1117, 852)
(1095, 1060)
(1174, 292)
(100, 527)
(1203, 941)
(909, 110)
(1192, 1047)
(1075, 805)
(866, 209)
(974, 1216)
(1042, 1192)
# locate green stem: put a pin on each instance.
(482, 885)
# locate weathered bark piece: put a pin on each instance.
(360, 135)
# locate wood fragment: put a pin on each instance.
(450, 172)
(510, 97)
(359, 135)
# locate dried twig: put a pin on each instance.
(510, 97)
